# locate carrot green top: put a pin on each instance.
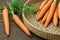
(1, 7)
(15, 6)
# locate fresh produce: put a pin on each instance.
(17, 6)
(41, 7)
(45, 8)
(30, 9)
(1, 7)
(45, 16)
(5, 16)
(55, 18)
(18, 21)
(48, 10)
(51, 13)
(43, 4)
(37, 14)
(59, 9)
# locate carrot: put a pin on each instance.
(42, 12)
(41, 6)
(59, 10)
(18, 21)
(51, 13)
(45, 16)
(37, 14)
(6, 20)
(55, 18)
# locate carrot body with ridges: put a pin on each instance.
(41, 7)
(51, 13)
(45, 16)
(55, 18)
(59, 10)
(6, 20)
(18, 21)
(37, 13)
(42, 4)
(42, 12)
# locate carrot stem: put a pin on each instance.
(18, 21)
(3, 5)
(12, 12)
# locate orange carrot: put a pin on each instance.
(45, 16)
(18, 21)
(41, 6)
(37, 13)
(6, 20)
(59, 10)
(55, 18)
(42, 12)
(52, 9)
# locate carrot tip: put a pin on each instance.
(55, 25)
(7, 35)
(29, 35)
(42, 21)
(45, 25)
(37, 19)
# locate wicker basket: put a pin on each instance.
(50, 33)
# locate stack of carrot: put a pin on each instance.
(49, 10)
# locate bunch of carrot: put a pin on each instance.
(17, 20)
(49, 9)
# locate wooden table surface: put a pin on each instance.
(16, 33)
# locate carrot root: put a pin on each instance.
(59, 10)
(6, 20)
(45, 16)
(41, 7)
(20, 24)
(51, 13)
(42, 4)
(55, 18)
(42, 12)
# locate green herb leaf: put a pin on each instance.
(17, 6)
(30, 10)
(1, 7)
